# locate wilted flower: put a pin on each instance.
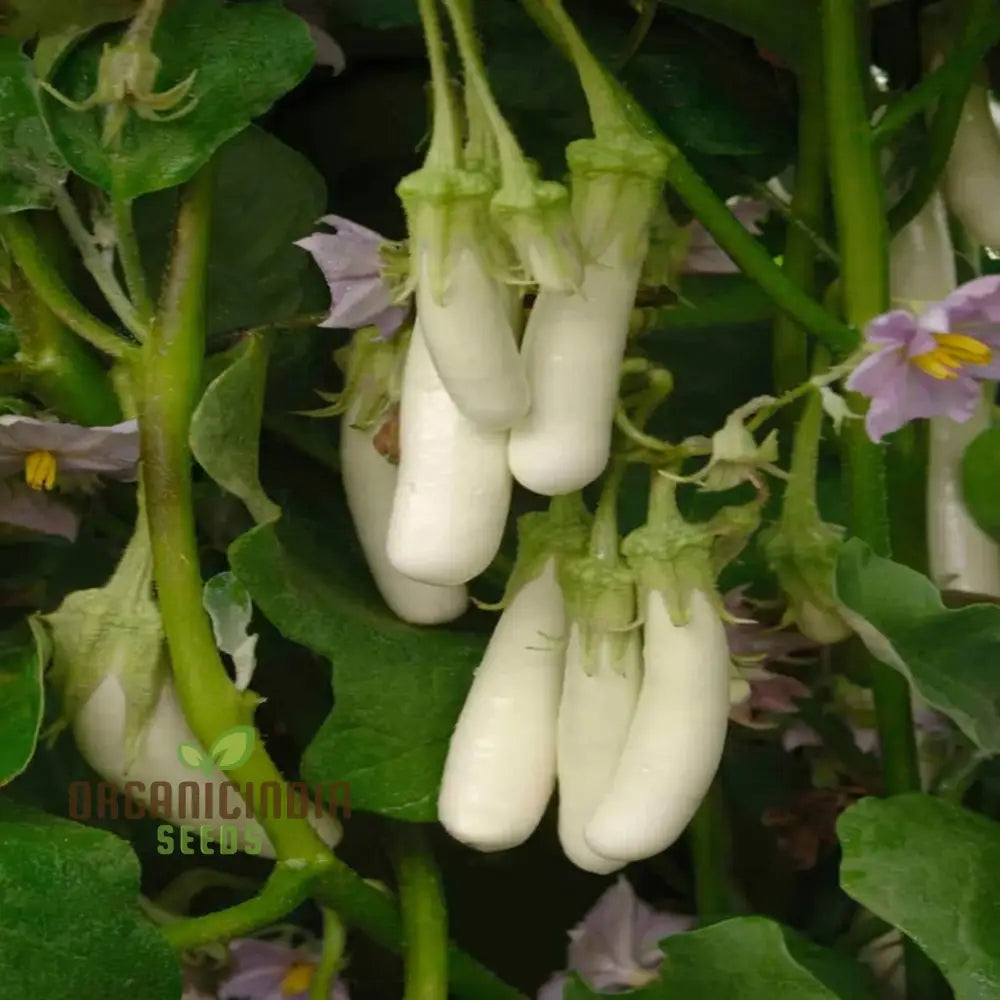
(705, 256)
(269, 971)
(351, 262)
(930, 364)
(615, 948)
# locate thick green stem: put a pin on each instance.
(864, 240)
(604, 539)
(48, 285)
(790, 362)
(331, 957)
(169, 380)
(708, 839)
(425, 915)
(131, 259)
(981, 19)
(285, 890)
(60, 370)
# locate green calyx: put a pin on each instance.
(617, 186)
(537, 219)
(601, 603)
(558, 533)
(373, 375)
(447, 212)
(112, 630)
(802, 553)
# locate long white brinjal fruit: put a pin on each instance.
(501, 765)
(961, 555)
(453, 488)
(574, 342)
(677, 733)
(972, 176)
(370, 484)
(600, 690)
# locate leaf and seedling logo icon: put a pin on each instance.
(231, 750)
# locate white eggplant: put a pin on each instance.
(471, 340)
(594, 717)
(676, 737)
(370, 484)
(961, 555)
(453, 488)
(99, 730)
(573, 349)
(972, 176)
(501, 764)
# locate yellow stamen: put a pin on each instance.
(298, 979)
(40, 470)
(952, 352)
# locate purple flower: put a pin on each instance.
(615, 948)
(269, 971)
(705, 256)
(350, 261)
(930, 364)
(46, 449)
(748, 639)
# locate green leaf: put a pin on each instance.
(22, 697)
(749, 958)
(932, 869)
(30, 165)
(234, 747)
(265, 197)
(398, 689)
(981, 480)
(246, 55)
(952, 658)
(70, 924)
(56, 17)
(228, 604)
(192, 756)
(225, 428)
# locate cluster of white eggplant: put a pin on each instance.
(480, 405)
(608, 680)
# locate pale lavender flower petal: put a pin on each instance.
(261, 966)
(37, 511)
(113, 451)
(800, 735)
(614, 947)
(976, 301)
(897, 328)
(747, 638)
(350, 262)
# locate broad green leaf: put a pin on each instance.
(952, 658)
(22, 698)
(191, 755)
(398, 689)
(247, 56)
(981, 480)
(234, 747)
(749, 958)
(56, 17)
(265, 197)
(932, 869)
(31, 167)
(225, 428)
(70, 923)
